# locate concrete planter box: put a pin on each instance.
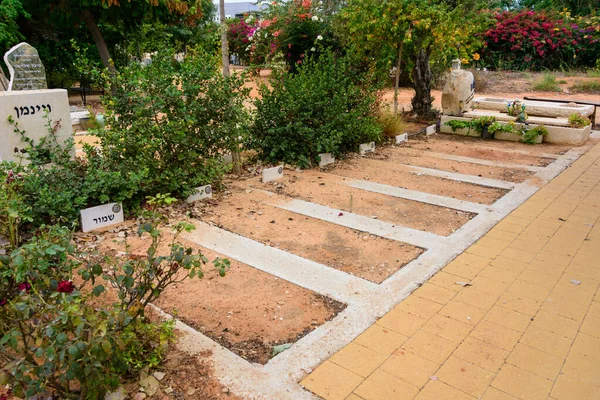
(564, 135)
(513, 137)
(463, 132)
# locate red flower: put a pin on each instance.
(65, 287)
(24, 286)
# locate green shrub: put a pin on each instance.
(174, 121)
(323, 108)
(578, 121)
(391, 125)
(60, 336)
(547, 84)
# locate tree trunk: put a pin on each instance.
(236, 158)
(397, 82)
(421, 76)
(90, 22)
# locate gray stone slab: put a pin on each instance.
(366, 148)
(271, 174)
(326, 159)
(200, 193)
(401, 138)
(26, 69)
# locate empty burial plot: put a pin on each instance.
(501, 151)
(394, 174)
(420, 158)
(332, 190)
(247, 311)
(358, 253)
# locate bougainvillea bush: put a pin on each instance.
(541, 40)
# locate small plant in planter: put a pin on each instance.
(482, 125)
(578, 121)
(517, 109)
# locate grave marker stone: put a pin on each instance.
(202, 192)
(401, 138)
(101, 216)
(326, 159)
(270, 174)
(3, 81)
(366, 148)
(26, 69)
(28, 109)
(430, 130)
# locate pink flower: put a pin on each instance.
(65, 287)
(24, 286)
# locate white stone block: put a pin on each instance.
(430, 130)
(401, 138)
(270, 174)
(101, 216)
(366, 148)
(227, 159)
(200, 193)
(326, 159)
(28, 108)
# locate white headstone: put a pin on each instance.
(227, 159)
(430, 130)
(270, 174)
(366, 148)
(101, 216)
(202, 192)
(458, 92)
(326, 159)
(401, 138)
(28, 109)
(26, 69)
(3, 81)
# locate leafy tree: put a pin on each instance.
(123, 15)
(10, 10)
(576, 7)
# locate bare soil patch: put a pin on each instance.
(408, 155)
(358, 253)
(488, 150)
(329, 190)
(248, 311)
(387, 173)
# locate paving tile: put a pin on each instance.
(489, 285)
(410, 367)
(447, 328)
(358, 359)
(519, 303)
(591, 326)
(594, 310)
(483, 251)
(556, 323)
(462, 312)
(536, 361)
(419, 307)
(554, 258)
(497, 335)
(434, 293)
(438, 390)
(381, 340)
(547, 341)
(565, 308)
(571, 293)
(382, 385)
(568, 387)
(494, 394)
(587, 345)
(522, 384)
(538, 278)
(508, 318)
(499, 274)
(505, 226)
(482, 354)
(465, 376)
(429, 346)
(464, 271)
(354, 397)
(446, 280)
(331, 381)
(473, 260)
(401, 322)
(477, 298)
(493, 243)
(587, 283)
(583, 367)
(530, 246)
(530, 290)
(546, 267)
(502, 235)
(509, 264)
(518, 255)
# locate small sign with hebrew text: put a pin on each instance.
(101, 216)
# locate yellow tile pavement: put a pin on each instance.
(527, 328)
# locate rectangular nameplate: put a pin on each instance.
(202, 192)
(101, 216)
(366, 148)
(401, 138)
(270, 174)
(430, 130)
(326, 159)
